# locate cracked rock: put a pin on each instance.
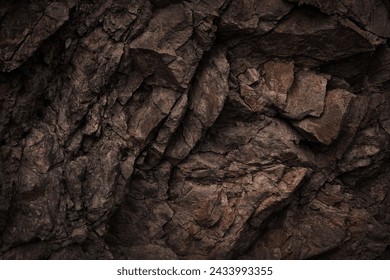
(191, 129)
(307, 96)
(328, 126)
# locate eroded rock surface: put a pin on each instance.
(191, 129)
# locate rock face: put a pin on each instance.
(224, 129)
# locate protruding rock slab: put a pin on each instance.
(271, 89)
(249, 77)
(278, 79)
(205, 103)
(327, 128)
(23, 30)
(372, 13)
(289, 182)
(307, 96)
(255, 100)
(308, 32)
(253, 15)
(209, 219)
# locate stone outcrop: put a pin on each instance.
(224, 129)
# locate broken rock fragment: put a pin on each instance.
(328, 126)
(307, 96)
(278, 79)
(271, 89)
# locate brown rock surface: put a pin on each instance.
(307, 96)
(194, 129)
(327, 127)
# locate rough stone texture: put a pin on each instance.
(194, 129)
(328, 126)
(307, 97)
